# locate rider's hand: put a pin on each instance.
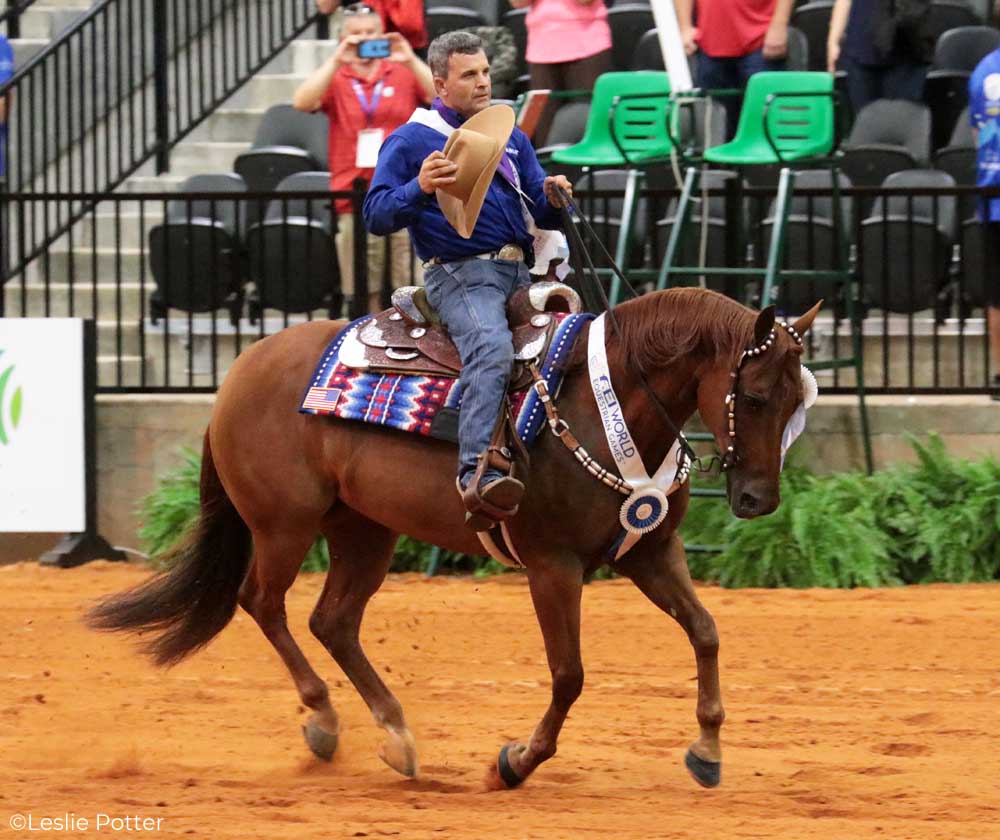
(552, 193)
(436, 171)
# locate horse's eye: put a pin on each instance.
(754, 401)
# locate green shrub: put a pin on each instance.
(936, 520)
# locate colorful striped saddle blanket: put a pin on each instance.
(426, 405)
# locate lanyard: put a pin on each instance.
(368, 107)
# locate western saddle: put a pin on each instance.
(410, 339)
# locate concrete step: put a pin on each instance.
(229, 125)
(114, 371)
(45, 22)
(26, 49)
(151, 183)
(125, 266)
(128, 228)
(76, 300)
(300, 57)
(202, 158)
(264, 90)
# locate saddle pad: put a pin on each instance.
(426, 405)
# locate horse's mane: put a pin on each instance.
(661, 327)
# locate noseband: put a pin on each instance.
(729, 457)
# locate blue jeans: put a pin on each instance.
(471, 298)
(732, 73)
(866, 83)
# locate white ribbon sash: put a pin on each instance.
(646, 507)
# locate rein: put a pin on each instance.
(637, 370)
(729, 458)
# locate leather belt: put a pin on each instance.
(507, 252)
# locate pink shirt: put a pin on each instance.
(566, 30)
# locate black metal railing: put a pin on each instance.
(123, 85)
(180, 283)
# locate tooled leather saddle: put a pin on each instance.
(410, 339)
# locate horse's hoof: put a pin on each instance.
(322, 743)
(400, 752)
(501, 776)
(706, 773)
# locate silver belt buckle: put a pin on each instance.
(511, 252)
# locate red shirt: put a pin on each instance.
(401, 94)
(732, 28)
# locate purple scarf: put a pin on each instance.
(454, 119)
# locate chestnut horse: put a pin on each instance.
(273, 479)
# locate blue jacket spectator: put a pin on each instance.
(984, 112)
(6, 72)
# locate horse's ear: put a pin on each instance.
(762, 329)
(806, 321)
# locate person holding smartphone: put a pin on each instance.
(367, 88)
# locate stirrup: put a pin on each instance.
(497, 502)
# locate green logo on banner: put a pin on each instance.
(10, 409)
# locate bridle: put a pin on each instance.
(729, 458)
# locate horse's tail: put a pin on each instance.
(187, 606)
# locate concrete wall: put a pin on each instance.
(139, 438)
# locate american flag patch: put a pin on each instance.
(322, 399)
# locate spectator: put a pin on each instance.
(403, 16)
(984, 113)
(569, 46)
(365, 101)
(884, 45)
(6, 72)
(733, 40)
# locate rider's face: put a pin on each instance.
(467, 87)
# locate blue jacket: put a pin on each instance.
(395, 200)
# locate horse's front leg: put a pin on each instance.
(661, 572)
(555, 591)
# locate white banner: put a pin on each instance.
(42, 473)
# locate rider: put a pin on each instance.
(469, 275)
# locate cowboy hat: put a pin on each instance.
(477, 147)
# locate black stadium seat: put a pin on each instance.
(628, 22)
(950, 14)
(441, 19)
(909, 237)
(514, 21)
(813, 19)
(889, 135)
(963, 48)
(605, 213)
(292, 255)
(195, 255)
(958, 159)
(713, 222)
(810, 240)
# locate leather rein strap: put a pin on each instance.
(637, 370)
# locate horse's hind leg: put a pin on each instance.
(661, 572)
(277, 558)
(360, 554)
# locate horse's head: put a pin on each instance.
(747, 407)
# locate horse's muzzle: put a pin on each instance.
(747, 502)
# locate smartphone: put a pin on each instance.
(374, 48)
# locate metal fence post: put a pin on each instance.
(160, 103)
(359, 304)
